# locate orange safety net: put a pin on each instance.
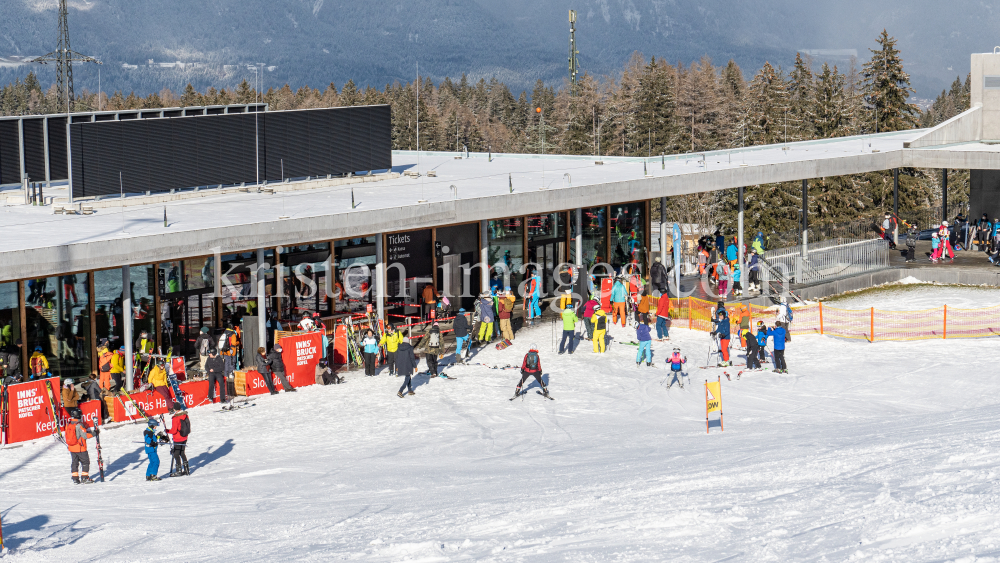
(868, 324)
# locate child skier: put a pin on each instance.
(531, 366)
(676, 363)
(645, 341)
(761, 342)
(152, 439)
(721, 330)
(911, 243)
(935, 247)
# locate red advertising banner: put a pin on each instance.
(256, 385)
(195, 393)
(606, 285)
(301, 354)
(30, 410)
(154, 404)
(91, 412)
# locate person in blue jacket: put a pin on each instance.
(720, 329)
(151, 440)
(619, 297)
(645, 342)
(761, 342)
(777, 334)
(732, 252)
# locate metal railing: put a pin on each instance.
(824, 261)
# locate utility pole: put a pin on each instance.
(64, 56)
(573, 65)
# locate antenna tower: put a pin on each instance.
(63, 56)
(573, 65)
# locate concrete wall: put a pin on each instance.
(963, 128)
(986, 66)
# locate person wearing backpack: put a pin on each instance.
(229, 346)
(202, 345)
(461, 328)
(215, 368)
(180, 429)
(433, 349)
(76, 434)
(531, 367)
(38, 363)
(642, 334)
(370, 351)
(783, 316)
(600, 320)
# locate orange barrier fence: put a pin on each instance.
(864, 324)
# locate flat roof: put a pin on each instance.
(34, 242)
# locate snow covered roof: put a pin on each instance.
(35, 242)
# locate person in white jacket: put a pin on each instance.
(783, 317)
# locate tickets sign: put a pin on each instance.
(301, 354)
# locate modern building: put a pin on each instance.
(340, 242)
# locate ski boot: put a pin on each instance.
(649, 364)
(187, 470)
(545, 391)
(86, 480)
(153, 478)
(517, 393)
(76, 479)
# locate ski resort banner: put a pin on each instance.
(29, 410)
(301, 354)
(153, 403)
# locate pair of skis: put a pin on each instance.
(523, 393)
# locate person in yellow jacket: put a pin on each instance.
(38, 363)
(391, 339)
(600, 322)
(118, 370)
(158, 381)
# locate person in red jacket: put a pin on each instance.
(76, 436)
(662, 316)
(531, 366)
(180, 428)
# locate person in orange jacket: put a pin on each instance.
(104, 365)
(76, 434)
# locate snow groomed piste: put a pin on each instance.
(884, 451)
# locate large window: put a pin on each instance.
(187, 302)
(304, 282)
(10, 318)
(108, 300)
(57, 316)
(506, 240)
(594, 237)
(349, 256)
(547, 247)
(628, 236)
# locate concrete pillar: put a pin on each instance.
(20, 146)
(895, 204)
(484, 255)
(805, 218)
(262, 300)
(579, 236)
(944, 194)
(45, 142)
(69, 161)
(380, 287)
(127, 325)
(739, 240)
(664, 238)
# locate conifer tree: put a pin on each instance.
(189, 98)
(887, 89)
(831, 114)
(802, 102)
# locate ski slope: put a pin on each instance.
(864, 452)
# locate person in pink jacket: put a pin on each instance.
(588, 312)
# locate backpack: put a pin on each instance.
(435, 340)
(789, 310)
(70, 435)
(36, 364)
(531, 360)
(205, 345)
(602, 322)
(185, 428)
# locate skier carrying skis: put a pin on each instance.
(676, 363)
(720, 329)
(180, 429)
(645, 341)
(151, 438)
(531, 367)
(76, 434)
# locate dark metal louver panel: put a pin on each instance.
(57, 149)
(340, 148)
(10, 156)
(34, 149)
(159, 155)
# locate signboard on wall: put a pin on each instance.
(412, 250)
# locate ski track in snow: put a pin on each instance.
(864, 452)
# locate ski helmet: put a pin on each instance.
(152, 423)
(533, 347)
(677, 349)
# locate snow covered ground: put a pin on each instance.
(909, 296)
(867, 452)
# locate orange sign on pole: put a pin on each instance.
(873, 325)
(713, 401)
(945, 334)
(821, 318)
